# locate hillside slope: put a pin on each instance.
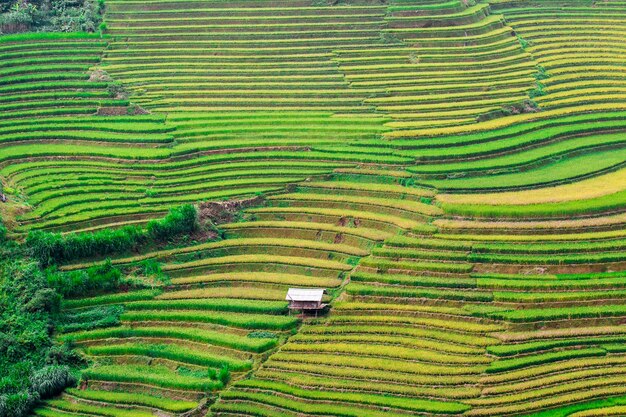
(452, 173)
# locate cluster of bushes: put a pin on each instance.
(31, 366)
(31, 386)
(179, 221)
(51, 248)
(51, 16)
(3, 232)
(54, 248)
(98, 278)
(222, 375)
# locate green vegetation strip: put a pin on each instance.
(415, 405)
(567, 410)
(197, 335)
(394, 291)
(234, 243)
(171, 352)
(112, 298)
(386, 265)
(151, 375)
(414, 280)
(213, 304)
(246, 321)
(522, 362)
(540, 314)
(595, 205)
(337, 410)
(260, 259)
(133, 399)
(85, 409)
(582, 258)
(521, 348)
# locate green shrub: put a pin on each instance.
(21, 17)
(51, 380)
(54, 16)
(54, 248)
(31, 368)
(180, 220)
(224, 374)
(3, 232)
(98, 278)
(17, 404)
(64, 354)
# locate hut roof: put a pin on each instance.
(304, 294)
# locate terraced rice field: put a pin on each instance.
(452, 173)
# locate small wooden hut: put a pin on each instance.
(305, 299)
